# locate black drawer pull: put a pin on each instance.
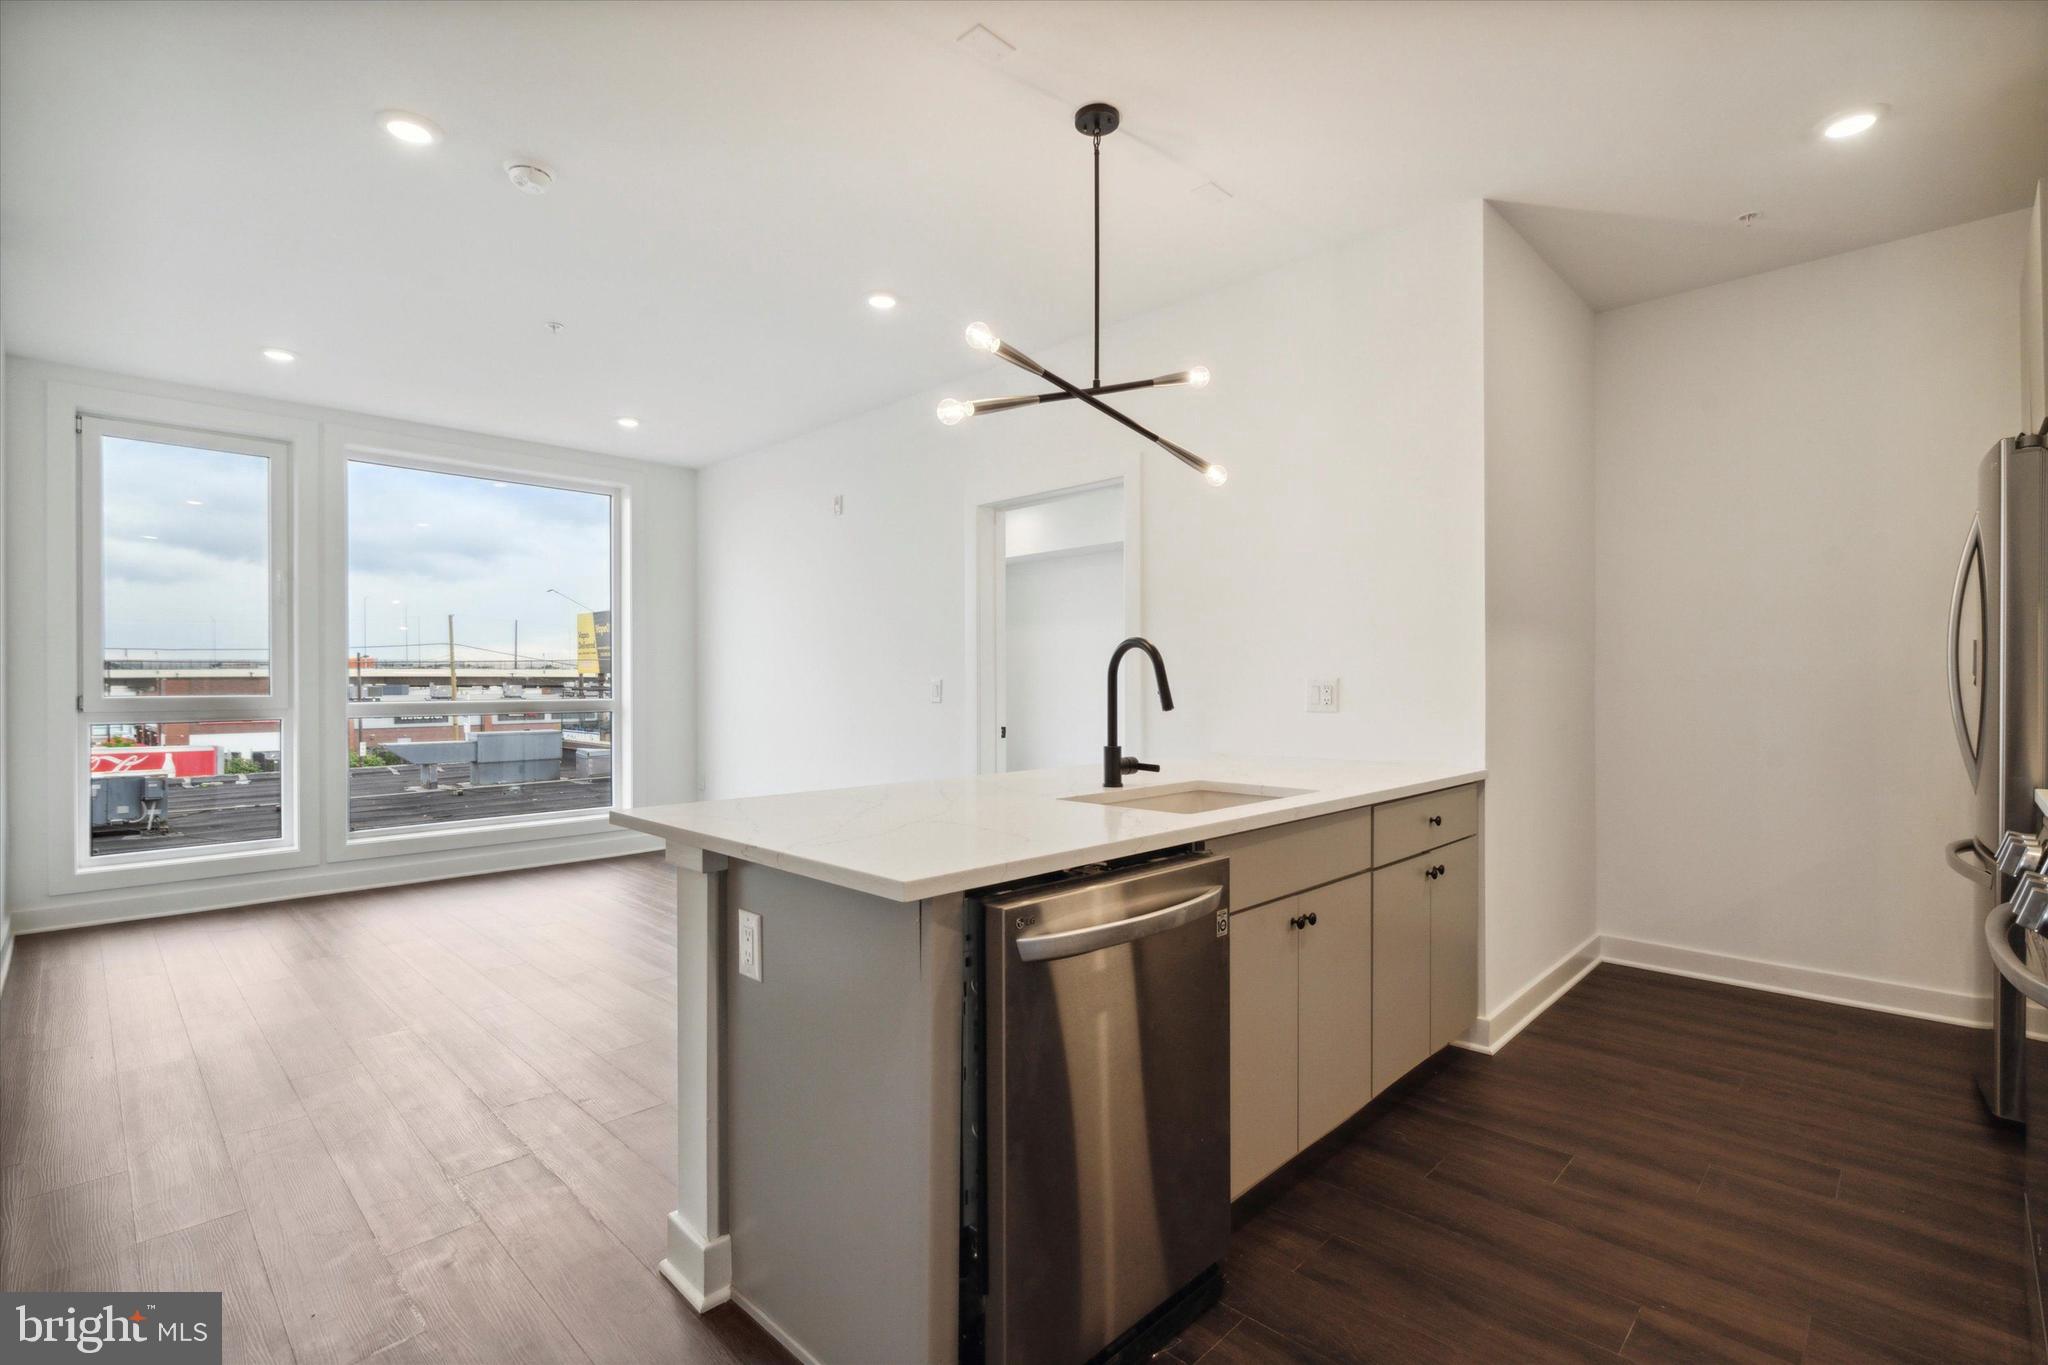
(1436, 819)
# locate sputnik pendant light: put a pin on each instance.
(1094, 121)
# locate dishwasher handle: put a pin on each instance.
(1075, 942)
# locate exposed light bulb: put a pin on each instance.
(1198, 378)
(981, 338)
(1216, 474)
(953, 412)
(1849, 125)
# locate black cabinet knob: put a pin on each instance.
(1441, 869)
(1436, 819)
(1311, 918)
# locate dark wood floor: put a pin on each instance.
(467, 1090)
(1657, 1169)
(429, 1124)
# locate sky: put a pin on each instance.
(186, 557)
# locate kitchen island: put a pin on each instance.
(820, 949)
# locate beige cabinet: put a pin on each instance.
(1454, 942)
(1263, 1038)
(1400, 968)
(1300, 1023)
(1335, 1012)
(1344, 977)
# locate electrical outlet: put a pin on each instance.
(1322, 694)
(750, 945)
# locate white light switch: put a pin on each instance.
(750, 945)
(1322, 694)
(938, 690)
(839, 504)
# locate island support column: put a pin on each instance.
(699, 1260)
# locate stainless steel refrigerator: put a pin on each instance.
(1998, 692)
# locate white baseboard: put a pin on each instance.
(774, 1329)
(700, 1268)
(1836, 988)
(1493, 1032)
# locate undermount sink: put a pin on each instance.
(1187, 798)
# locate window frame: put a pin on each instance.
(79, 418)
(345, 446)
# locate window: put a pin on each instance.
(480, 664)
(185, 708)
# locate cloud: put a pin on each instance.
(182, 577)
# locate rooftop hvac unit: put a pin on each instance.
(506, 756)
(124, 801)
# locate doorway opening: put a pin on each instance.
(1058, 599)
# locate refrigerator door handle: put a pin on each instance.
(1964, 858)
(1973, 552)
(1998, 937)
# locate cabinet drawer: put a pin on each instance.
(1266, 864)
(1402, 829)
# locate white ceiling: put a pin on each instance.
(181, 185)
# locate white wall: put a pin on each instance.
(6, 916)
(1347, 543)
(660, 594)
(1784, 477)
(1539, 619)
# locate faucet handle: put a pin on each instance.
(1132, 765)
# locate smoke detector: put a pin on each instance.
(529, 178)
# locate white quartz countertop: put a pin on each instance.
(910, 840)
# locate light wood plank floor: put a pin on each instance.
(433, 1123)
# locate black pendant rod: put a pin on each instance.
(1025, 362)
(986, 405)
(1097, 382)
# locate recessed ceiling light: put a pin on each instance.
(881, 301)
(195, 502)
(421, 525)
(1852, 124)
(149, 537)
(627, 422)
(277, 355)
(410, 129)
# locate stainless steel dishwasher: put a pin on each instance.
(1107, 1151)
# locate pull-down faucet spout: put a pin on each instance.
(1114, 764)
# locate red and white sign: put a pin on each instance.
(178, 760)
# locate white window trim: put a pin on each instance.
(315, 553)
(72, 686)
(343, 445)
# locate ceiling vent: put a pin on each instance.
(985, 46)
